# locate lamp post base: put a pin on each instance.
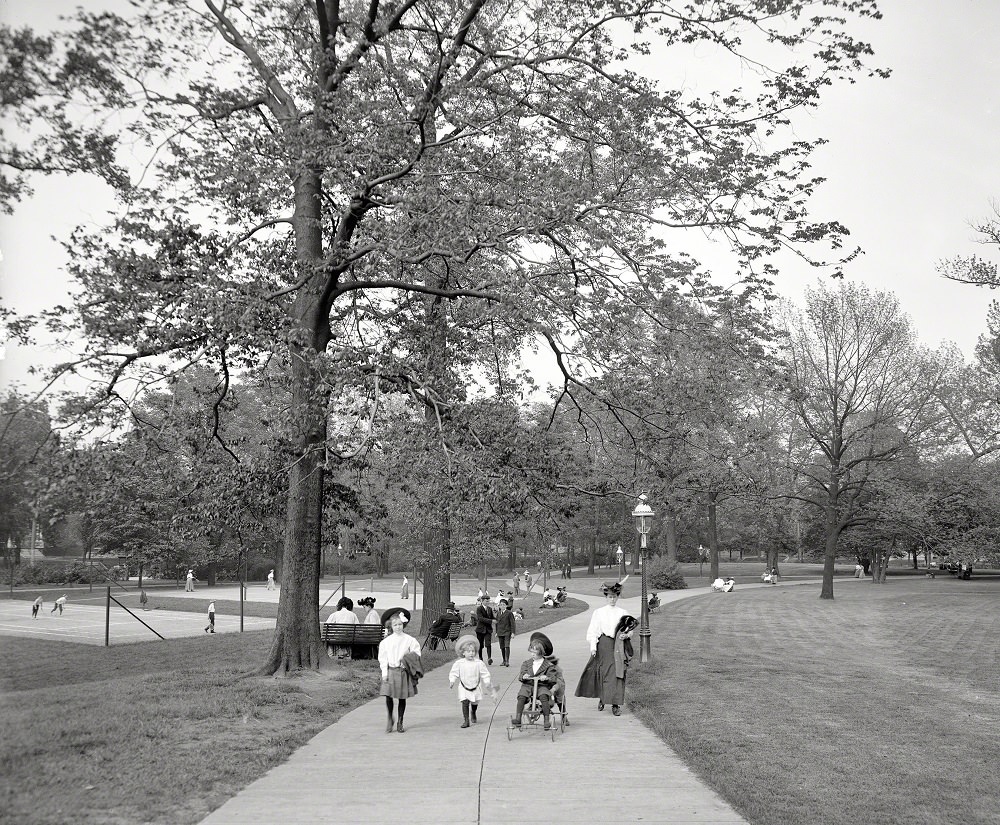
(644, 652)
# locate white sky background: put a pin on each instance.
(911, 162)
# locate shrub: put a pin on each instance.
(663, 576)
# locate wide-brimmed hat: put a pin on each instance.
(611, 587)
(392, 611)
(544, 640)
(462, 641)
(450, 606)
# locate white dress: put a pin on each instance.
(470, 678)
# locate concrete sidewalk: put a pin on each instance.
(601, 769)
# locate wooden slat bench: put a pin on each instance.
(360, 638)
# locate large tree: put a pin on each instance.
(26, 439)
(502, 158)
(862, 392)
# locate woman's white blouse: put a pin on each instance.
(343, 616)
(603, 622)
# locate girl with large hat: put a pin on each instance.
(399, 660)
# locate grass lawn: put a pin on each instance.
(882, 706)
(164, 731)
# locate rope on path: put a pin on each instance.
(482, 760)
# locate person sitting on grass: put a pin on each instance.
(540, 668)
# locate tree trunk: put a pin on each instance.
(436, 574)
(713, 537)
(830, 554)
(670, 536)
(597, 540)
(296, 642)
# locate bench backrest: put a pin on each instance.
(454, 631)
(351, 634)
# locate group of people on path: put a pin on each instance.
(486, 619)
(540, 676)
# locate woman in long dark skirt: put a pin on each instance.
(610, 650)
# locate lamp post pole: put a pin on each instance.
(643, 515)
(621, 563)
(340, 564)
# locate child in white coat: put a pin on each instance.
(470, 674)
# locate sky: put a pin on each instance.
(911, 163)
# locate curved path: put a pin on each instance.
(601, 769)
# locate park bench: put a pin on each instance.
(454, 631)
(360, 638)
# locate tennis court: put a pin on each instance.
(83, 621)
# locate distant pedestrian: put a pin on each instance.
(210, 628)
(59, 604)
(404, 591)
(143, 599)
(517, 584)
(35, 606)
(270, 580)
(189, 582)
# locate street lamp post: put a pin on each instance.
(621, 563)
(340, 565)
(643, 515)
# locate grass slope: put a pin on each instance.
(880, 706)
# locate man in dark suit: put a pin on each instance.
(439, 630)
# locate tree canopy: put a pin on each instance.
(324, 189)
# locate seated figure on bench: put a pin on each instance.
(344, 614)
(441, 627)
